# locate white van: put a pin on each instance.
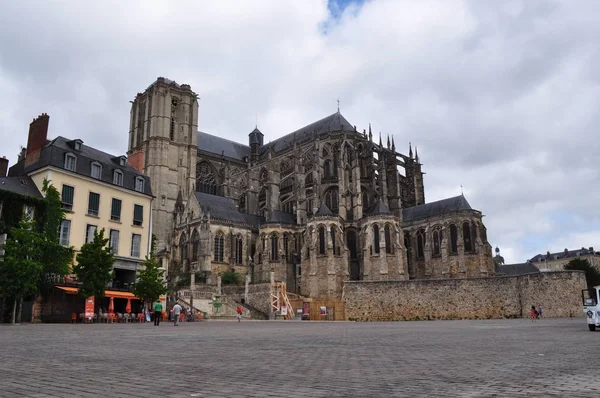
(591, 307)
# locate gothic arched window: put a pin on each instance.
(468, 242)
(332, 232)
(218, 252)
(274, 247)
(239, 246)
(183, 247)
(453, 239)
(195, 245)
(436, 243)
(421, 240)
(389, 248)
(327, 169)
(376, 238)
(205, 179)
(321, 240)
(331, 199)
(262, 199)
(242, 203)
(365, 201)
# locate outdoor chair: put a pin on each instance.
(119, 317)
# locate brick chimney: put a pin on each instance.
(38, 132)
(3, 166)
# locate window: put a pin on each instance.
(70, 162)
(115, 210)
(28, 212)
(89, 233)
(122, 161)
(93, 204)
(195, 245)
(389, 249)
(205, 179)
(453, 239)
(365, 201)
(138, 215)
(327, 169)
(139, 184)
(65, 231)
(239, 246)
(321, 240)
(68, 192)
(242, 203)
(183, 247)
(421, 244)
(136, 241)
(218, 252)
(274, 248)
(376, 238)
(331, 199)
(118, 178)
(96, 170)
(77, 145)
(172, 129)
(113, 241)
(467, 237)
(436, 243)
(332, 233)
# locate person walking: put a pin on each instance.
(239, 313)
(176, 313)
(158, 307)
(539, 310)
(533, 314)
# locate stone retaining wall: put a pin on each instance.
(559, 293)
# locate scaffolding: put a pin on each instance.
(280, 304)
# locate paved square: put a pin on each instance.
(504, 358)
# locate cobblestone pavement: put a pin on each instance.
(497, 358)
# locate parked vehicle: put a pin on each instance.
(591, 308)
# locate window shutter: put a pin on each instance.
(115, 213)
(138, 214)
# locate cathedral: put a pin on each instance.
(318, 206)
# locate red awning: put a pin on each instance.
(107, 293)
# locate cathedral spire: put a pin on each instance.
(380, 144)
(416, 155)
(370, 134)
(388, 141)
(410, 155)
(393, 145)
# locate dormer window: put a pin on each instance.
(77, 145)
(122, 161)
(70, 162)
(96, 170)
(118, 178)
(139, 184)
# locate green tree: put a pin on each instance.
(150, 284)
(21, 268)
(592, 275)
(55, 257)
(231, 278)
(94, 268)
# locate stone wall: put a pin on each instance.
(559, 293)
(259, 295)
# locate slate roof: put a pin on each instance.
(378, 208)
(224, 209)
(334, 122)
(53, 154)
(436, 208)
(20, 185)
(278, 216)
(323, 211)
(217, 145)
(561, 255)
(516, 269)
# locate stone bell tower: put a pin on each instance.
(163, 144)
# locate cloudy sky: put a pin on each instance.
(501, 97)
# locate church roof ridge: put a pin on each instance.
(439, 207)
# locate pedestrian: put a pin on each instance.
(176, 312)
(539, 310)
(239, 313)
(157, 312)
(534, 314)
